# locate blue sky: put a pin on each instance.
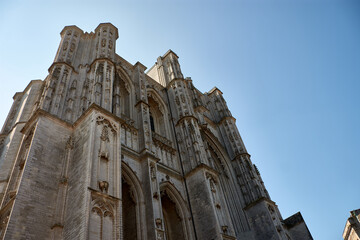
(289, 71)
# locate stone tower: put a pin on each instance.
(101, 149)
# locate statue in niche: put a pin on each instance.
(65, 46)
(104, 151)
(72, 47)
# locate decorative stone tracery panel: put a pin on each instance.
(102, 224)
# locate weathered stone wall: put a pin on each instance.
(34, 205)
(24, 104)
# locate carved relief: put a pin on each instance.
(70, 143)
(102, 120)
(65, 46)
(72, 47)
(102, 217)
(152, 171)
(103, 186)
(182, 98)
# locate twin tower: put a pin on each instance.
(101, 149)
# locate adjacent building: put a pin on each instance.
(352, 226)
(105, 149)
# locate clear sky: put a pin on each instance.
(289, 70)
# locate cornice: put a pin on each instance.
(100, 59)
(71, 27)
(185, 117)
(259, 200)
(140, 65)
(146, 154)
(141, 102)
(64, 63)
(169, 52)
(240, 155)
(199, 167)
(214, 89)
(226, 118)
(174, 80)
(32, 82)
(94, 106)
(108, 24)
(170, 171)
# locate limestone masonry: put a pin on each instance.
(352, 227)
(102, 149)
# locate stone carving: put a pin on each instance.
(152, 171)
(65, 46)
(159, 235)
(103, 208)
(105, 134)
(212, 181)
(72, 47)
(182, 98)
(102, 120)
(103, 186)
(158, 222)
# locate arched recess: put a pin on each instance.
(227, 178)
(131, 188)
(158, 114)
(123, 94)
(175, 213)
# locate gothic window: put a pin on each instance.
(152, 123)
(121, 97)
(99, 83)
(156, 117)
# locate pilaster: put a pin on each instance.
(145, 138)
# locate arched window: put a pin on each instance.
(158, 118)
(99, 83)
(152, 123)
(121, 97)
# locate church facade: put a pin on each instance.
(103, 149)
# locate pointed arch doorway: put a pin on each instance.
(176, 216)
(133, 207)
